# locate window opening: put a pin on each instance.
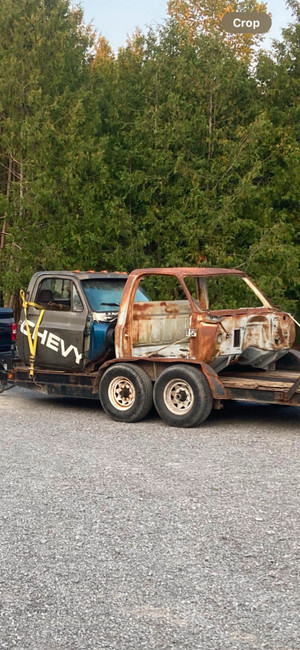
(105, 295)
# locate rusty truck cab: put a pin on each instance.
(186, 325)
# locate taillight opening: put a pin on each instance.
(13, 331)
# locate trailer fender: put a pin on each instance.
(155, 366)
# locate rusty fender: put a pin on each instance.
(155, 366)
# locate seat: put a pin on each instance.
(45, 296)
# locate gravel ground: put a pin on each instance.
(146, 536)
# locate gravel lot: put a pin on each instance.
(146, 536)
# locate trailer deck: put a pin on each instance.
(280, 385)
(55, 382)
(276, 386)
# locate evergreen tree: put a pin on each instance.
(276, 256)
(45, 136)
(171, 153)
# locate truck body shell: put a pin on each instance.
(189, 329)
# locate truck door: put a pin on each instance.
(159, 326)
(62, 340)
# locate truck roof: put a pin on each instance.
(189, 270)
(84, 275)
(179, 271)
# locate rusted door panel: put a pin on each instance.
(161, 327)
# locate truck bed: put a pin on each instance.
(6, 318)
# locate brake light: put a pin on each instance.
(13, 331)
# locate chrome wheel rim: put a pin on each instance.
(178, 396)
(121, 393)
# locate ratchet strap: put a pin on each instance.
(294, 319)
(32, 339)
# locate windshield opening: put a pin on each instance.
(221, 292)
(105, 295)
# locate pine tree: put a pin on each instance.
(45, 137)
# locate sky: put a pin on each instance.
(117, 19)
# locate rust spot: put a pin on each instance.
(257, 319)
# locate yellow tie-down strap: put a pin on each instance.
(32, 340)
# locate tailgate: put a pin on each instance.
(6, 318)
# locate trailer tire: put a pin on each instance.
(126, 392)
(182, 396)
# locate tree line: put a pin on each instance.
(181, 149)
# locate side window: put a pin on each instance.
(161, 324)
(58, 294)
(161, 287)
(76, 301)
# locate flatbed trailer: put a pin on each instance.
(58, 383)
(278, 386)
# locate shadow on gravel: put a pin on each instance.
(243, 412)
(231, 413)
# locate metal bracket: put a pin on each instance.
(191, 334)
(292, 390)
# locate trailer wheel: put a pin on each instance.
(126, 392)
(182, 396)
